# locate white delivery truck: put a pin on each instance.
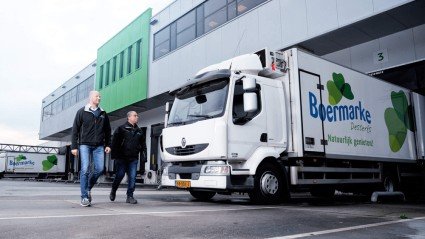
(30, 163)
(273, 122)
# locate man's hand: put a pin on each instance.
(74, 152)
(107, 150)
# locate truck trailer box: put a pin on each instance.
(342, 113)
(24, 162)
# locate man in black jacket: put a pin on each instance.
(127, 143)
(91, 137)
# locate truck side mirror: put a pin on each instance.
(167, 107)
(167, 111)
(250, 103)
(249, 84)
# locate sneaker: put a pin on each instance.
(131, 200)
(90, 196)
(85, 202)
(112, 195)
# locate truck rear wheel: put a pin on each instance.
(268, 185)
(202, 195)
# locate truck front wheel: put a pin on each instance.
(268, 185)
(202, 195)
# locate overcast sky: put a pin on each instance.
(43, 43)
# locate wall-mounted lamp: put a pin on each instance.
(154, 21)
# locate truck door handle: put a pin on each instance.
(263, 137)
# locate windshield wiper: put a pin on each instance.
(201, 116)
(177, 123)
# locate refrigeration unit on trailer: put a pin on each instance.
(273, 122)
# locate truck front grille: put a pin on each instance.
(188, 150)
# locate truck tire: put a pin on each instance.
(202, 195)
(269, 186)
(322, 191)
(390, 181)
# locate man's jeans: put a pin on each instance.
(122, 167)
(89, 178)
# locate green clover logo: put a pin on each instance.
(49, 162)
(398, 120)
(20, 157)
(338, 88)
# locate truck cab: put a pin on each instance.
(225, 125)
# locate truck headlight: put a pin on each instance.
(216, 170)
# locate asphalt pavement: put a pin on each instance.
(51, 210)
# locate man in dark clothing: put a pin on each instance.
(91, 136)
(127, 143)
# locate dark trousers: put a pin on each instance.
(122, 167)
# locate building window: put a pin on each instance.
(129, 60)
(185, 28)
(66, 100)
(57, 106)
(121, 64)
(114, 68)
(73, 96)
(101, 77)
(204, 18)
(47, 111)
(162, 42)
(108, 66)
(138, 54)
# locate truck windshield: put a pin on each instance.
(199, 102)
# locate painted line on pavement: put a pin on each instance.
(132, 213)
(343, 229)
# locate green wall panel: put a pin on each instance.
(133, 86)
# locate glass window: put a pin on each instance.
(73, 96)
(213, 6)
(231, 10)
(215, 20)
(90, 84)
(186, 36)
(114, 68)
(162, 36)
(57, 106)
(245, 5)
(173, 36)
(129, 59)
(47, 111)
(138, 54)
(108, 66)
(82, 91)
(199, 20)
(121, 64)
(186, 21)
(66, 100)
(101, 77)
(162, 49)
(195, 23)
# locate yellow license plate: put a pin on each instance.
(182, 184)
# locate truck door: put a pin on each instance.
(246, 131)
(312, 125)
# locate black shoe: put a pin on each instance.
(112, 195)
(90, 198)
(131, 200)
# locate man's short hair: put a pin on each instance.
(130, 113)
